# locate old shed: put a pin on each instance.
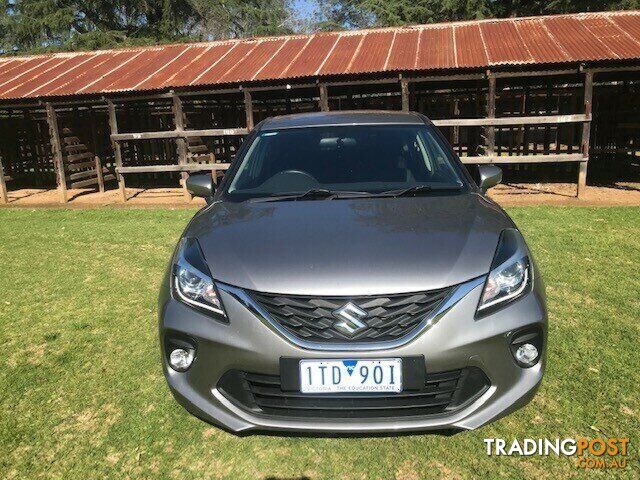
(553, 97)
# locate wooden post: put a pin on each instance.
(404, 89)
(490, 131)
(99, 174)
(181, 143)
(56, 150)
(117, 151)
(3, 186)
(248, 106)
(324, 97)
(586, 133)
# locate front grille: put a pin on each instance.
(442, 392)
(388, 317)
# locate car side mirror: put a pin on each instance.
(490, 176)
(201, 186)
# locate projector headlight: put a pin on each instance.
(192, 282)
(510, 275)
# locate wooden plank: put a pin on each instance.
(629, 68)
(446, 78)
(191, 167)
(534, 73)
(85, 183)
(373, 81)
(100, 174)
(490, 130)
(324, 97)
(56, 148)
(553, 158)
(79, 156)
(507, 121)
(404, 89)
(248, 107)
(586, 133)
(83, 174)
(181, 143)
(211, 132)
(3, 186)
(198, 148)
(74, 167)
(75, 148)
(71, 140)
(113, 125)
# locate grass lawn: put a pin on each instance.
(82, 393)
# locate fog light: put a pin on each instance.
(180, 359)
(527, 353)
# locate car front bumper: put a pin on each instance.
(456, 341)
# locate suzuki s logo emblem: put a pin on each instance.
(350, 318)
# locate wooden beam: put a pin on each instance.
(204, 93)
(210, 132)
(100, 174)
(508, 121)
(3, 186)
(552, 158)
(628, 68)
(181, 143)
(274, 88)
(404, 89)
(586, 133)
(490, 131)
(375, 81)
(117, 151)
(56, 150)
(447, 78)
(248, 107)
(534, 73)
(324, 97)
(191, 167)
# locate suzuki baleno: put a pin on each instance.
(349, 275)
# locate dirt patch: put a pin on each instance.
(622, 193)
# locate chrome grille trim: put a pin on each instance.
(458, 292)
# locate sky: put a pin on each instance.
(304, 7)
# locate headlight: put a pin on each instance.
(510, 274)
(192, 282)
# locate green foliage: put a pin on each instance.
(41, 25)
(367, 13)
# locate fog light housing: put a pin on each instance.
(526, 345)
(527, 354)
(180, 359)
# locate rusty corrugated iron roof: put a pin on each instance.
(474, 44)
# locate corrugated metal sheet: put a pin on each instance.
(471, 45)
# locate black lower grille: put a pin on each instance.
(444, 391)
(380, 318)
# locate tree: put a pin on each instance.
(40, 25)
(339, 14)
(239, 19)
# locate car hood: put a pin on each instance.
(350, 247)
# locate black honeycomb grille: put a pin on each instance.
(388, 317)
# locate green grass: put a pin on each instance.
(82, 393)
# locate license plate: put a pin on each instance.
(330, 376)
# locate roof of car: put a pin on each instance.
(360, 117)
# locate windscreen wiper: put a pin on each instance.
(312, 194)
(420, 189)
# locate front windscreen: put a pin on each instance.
(365, 158)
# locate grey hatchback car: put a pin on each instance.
(349, 275)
